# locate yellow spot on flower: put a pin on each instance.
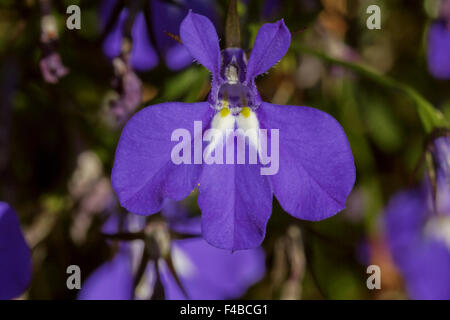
(246, 112)
(224, 112)
(224, 103)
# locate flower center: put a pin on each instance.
(235, 97)
(232, 92)
(235, 101)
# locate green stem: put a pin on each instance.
(430, 117)
(232, 27)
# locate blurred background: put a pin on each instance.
(60, 121)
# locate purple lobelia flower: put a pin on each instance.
(203, 271)
(15, 257)
(439, 44)
(418, 231)
(153, 19)
(312, 176)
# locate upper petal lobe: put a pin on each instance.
(200, 38)
(271, 44)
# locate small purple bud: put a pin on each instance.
(52, 68)
(442, 158)
(129, 89)
(439, 43)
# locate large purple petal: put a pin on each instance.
(236, 203)
(111, 281)
(143, 173)
(271, 44)
(210, 273)
(15, 256)
(200, 38)
(439, 50)
(316, 167)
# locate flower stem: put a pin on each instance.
(232, 27)
(430, 117)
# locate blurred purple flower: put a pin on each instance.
(442, 159)
(419, 238)
(164, 16)
(52, 68)
(316, 169)
(210, 273)
(441, 156)
(204, 271)
(270, 8)
(15, 256)
(129, 90)
(143, 56)
(439, 44)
